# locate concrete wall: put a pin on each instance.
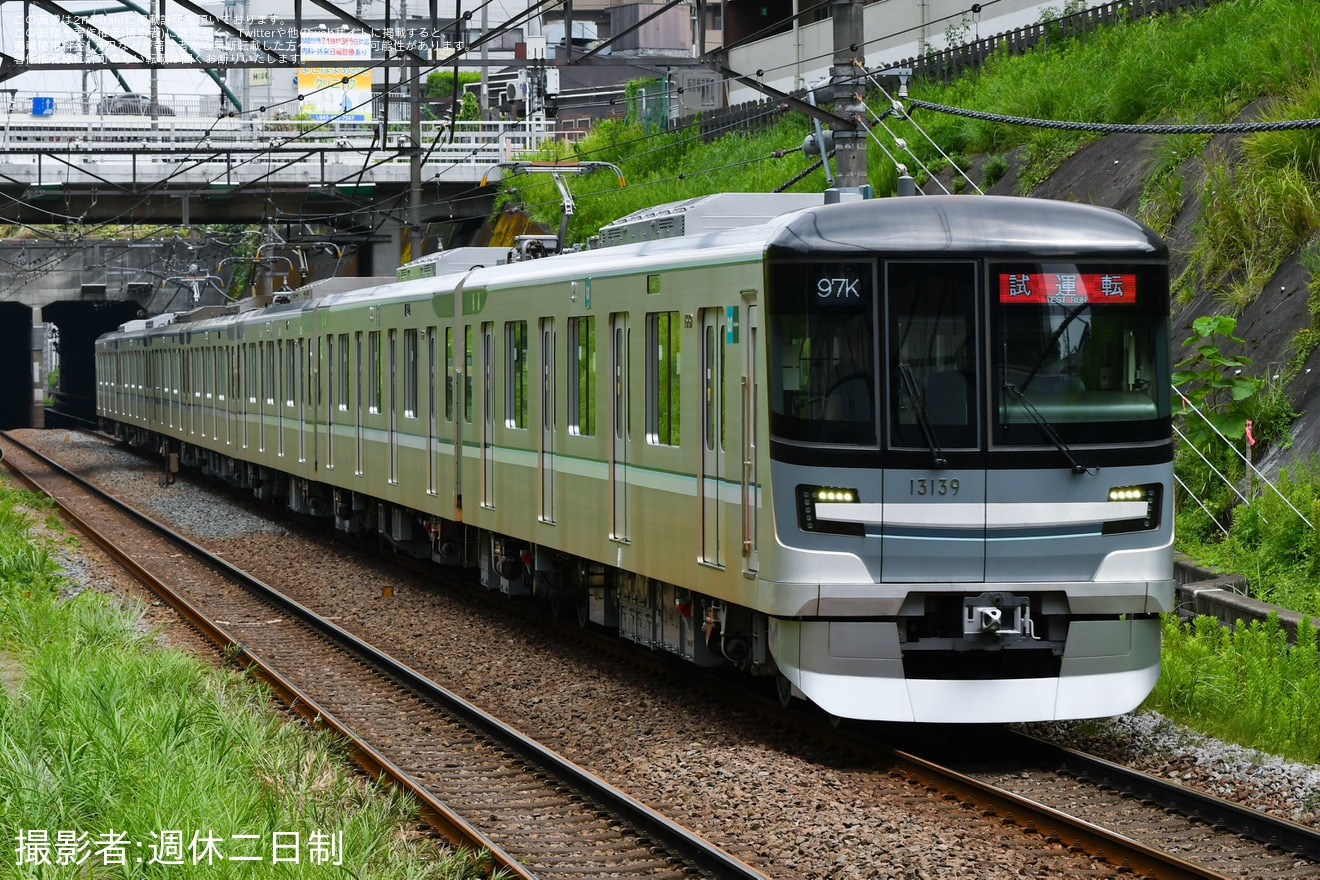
(895, 30)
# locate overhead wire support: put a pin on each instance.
(556, 170)
(902, 144)
(896, 107)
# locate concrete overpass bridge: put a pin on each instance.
(335, 199)
(177, 170)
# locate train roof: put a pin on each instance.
(935, 226)
(920, 226)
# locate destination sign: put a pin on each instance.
(1067, 289)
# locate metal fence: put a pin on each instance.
(949, 63)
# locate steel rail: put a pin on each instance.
(1052, 824)
(1261, 827)
(435, 812)
(681, 840)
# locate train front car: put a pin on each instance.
(970, 459)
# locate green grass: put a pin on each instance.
(1246, 686)
(102, 732)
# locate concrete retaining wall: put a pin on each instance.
(1223, 597)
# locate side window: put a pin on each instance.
(469, 360)
(515, 374)
(410, 374)
(357, 378)
(251, 377)
(582, 376)
(714, 412)
(344, 356)
(449, 374)
(663, 381)
(270, 372)
(290, 373)
(374, 378)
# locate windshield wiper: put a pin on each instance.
(1052, 344)
(1045, 427)
(919, 404)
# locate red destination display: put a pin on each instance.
(1067, 289)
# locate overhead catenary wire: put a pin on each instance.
(1120, 127)
(387, 211)
(182, 167)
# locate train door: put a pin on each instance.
(546, 464)
(332, 379)
(279, 378)
(206, 361)
(392, 397)
(249, 367)
(235, 392)
(934, 488)
(158, 387)
(305, 354)
(463, 425)
(179, 363)
(750, 487)
(432, 416)
(488, 414)
(265, 389)
(359, 401)
(169, 383)
(190, 385)
(712, 436)
(619, 427)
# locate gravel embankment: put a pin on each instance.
(802, 814)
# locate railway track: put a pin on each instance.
(1134, 834)
(1141, 823)
(1224, 838)
(537, 813)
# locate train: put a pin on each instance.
(911, 457)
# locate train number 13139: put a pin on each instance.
(932, 486)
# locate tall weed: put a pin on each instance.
(1245, 685)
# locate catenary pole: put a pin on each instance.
(849, 52)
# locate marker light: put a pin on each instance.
(1151, 494)
(807, 499)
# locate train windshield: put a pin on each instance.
(1078, 350)
(942, 356)
(823, 353)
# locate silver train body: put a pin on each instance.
(910, 456)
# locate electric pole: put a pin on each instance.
(411, 239)
(849, 59)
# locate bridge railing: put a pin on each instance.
(462, 143)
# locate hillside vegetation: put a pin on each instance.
(1207, 66)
